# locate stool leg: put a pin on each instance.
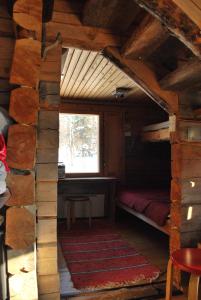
(68, 215)
(169, 280)
(193, 287)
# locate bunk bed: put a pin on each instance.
(156, 132)
(151, 205)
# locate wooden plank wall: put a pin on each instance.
(47, 175)
(23, 73)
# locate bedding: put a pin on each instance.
(153, 203)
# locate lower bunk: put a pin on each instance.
(150, 205)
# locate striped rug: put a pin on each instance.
(99, 258)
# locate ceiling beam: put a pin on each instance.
(82, 37)
(113, 14)
(144, 77)
(145, 39)
(184, 77)
(177, 21)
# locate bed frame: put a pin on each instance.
(165, 229)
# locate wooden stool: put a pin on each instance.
(71, 208)
(187, 260)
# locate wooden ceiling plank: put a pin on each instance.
(98, 80)
(104, 80)
(73, 63)
(186, 76)
(116, 77)
(96, 73)
(65, 68)
(181, 25)
(144, 77)
(88, 75)
(82, 60)
(148, 36)
(83, 72)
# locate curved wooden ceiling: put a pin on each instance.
(87, 74)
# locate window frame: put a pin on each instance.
(101, 143)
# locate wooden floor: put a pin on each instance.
(151, 243)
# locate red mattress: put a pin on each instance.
(153, 203)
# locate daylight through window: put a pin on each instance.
(79, 142)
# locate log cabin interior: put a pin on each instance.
(100, 109)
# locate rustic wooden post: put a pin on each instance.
(22, 142)
(47, 174)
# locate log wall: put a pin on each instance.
(7, 42)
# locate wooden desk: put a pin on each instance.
(91, 186)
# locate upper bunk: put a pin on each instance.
(158, 132)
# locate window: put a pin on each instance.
(79, 143)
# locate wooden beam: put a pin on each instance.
(177, 21)
(148, 36)
(111, 14)
(184, 77)
(83, 37)
(145, 79)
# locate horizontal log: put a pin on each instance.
(48, 119)
(186, 190)
(47, 230)
(47, 156)
(22, 188)
(48, 284)
(49, 88)
(190, 216)
(83, 37)
(21, 147)
(20, 228)
(51, 71)
(28, 14)
(47, 266)
(51, 102)
(186, 151)
(21, 260)
(27, 73)
(184, 77)
(186, 169)
(47, 172)
(48, 139)
(149, 35)
(53, 296)
(24, 106)
(47, 209)
(46, 190)
(5, 66)
(6, 27)
(190, 239)
(7, 48)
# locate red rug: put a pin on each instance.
(99, 258)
